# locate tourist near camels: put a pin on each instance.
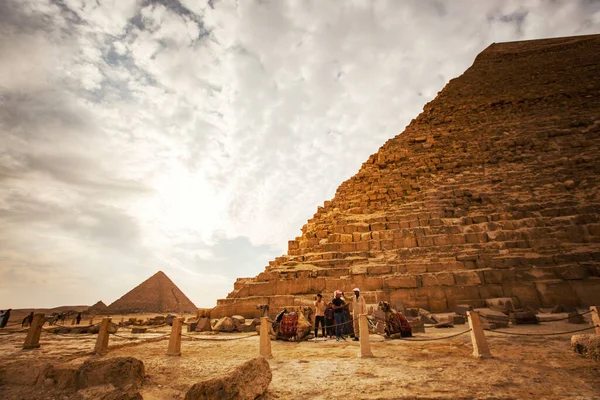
(460, 260)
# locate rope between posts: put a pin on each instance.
(506, 318)
(432, 339)
(141, 339)
(13, 332)
(542, 334)
(191, 337)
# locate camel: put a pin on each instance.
(395, 322)
(293, 326)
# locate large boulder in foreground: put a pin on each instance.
(588, 345)
(120, 371)
(247, 381)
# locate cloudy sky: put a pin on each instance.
(198, 137)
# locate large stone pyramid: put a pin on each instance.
(493, 191)
(156, 294)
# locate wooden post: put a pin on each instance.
(102, 341)
(595, 319)
(91, 321)
(175, 338)
(265, 339)
(480, 346)
(365, 344)
(32, 341)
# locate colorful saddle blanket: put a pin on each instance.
(397, 323)
(289, 325)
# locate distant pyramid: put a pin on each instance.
(98, 308)
(156, 294)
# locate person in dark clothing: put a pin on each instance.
(338, 314)
(78, 319)
(5, 318)
(329, 320)
(27, 320)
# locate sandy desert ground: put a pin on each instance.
(523, 367)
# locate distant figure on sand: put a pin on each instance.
(78, 318)
(5, 318)
(27, 320)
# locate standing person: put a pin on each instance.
(338, 315)
(27, 320)
(329, 320)
(78, 318)
(5, 318)
(359, 306)
(319, 315)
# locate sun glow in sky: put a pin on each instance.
(197, 137)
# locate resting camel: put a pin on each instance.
(293, 326)
(395, 322)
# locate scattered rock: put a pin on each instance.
(203, 325)
(169, 319)
(494, 319)
(587, 345)
(225, 324)
(523, 318)
(113, 328)
(247, 381)
(120, 372)
(139, 330)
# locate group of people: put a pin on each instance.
(334, 316)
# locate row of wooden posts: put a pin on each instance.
(478, 339)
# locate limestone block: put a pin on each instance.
(524, 294)
(346, 238)
(379, 270)
(491, 291)
(587, 345)
(498, 275)
(120, 372)
(534, 274)
(572, 272)
(467, 278)
(403, 281)
(587, 290)
(246, 382)
(557, 292)
(367, 283)
(439, 279)
(463, 295)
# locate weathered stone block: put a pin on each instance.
(557, 292)
(467, 278)
(399, 282)
(246, 382)
(440, 279)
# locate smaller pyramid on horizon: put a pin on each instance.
(98, 308)
(156, 294)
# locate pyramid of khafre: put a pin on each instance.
(156, 294)
(493, 191)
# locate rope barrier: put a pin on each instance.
(141, 339)
(191, 337)
(507, 318)
(541, 334)
(432, 339)
(13, 332)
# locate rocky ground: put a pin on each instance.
(523, 366)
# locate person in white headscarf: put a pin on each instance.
(359, 306)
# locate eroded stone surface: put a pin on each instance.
(247, 381)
